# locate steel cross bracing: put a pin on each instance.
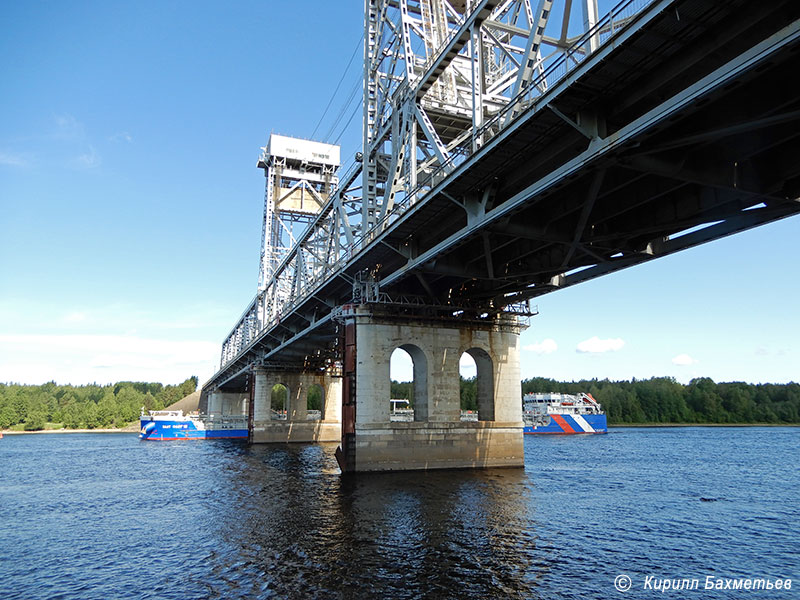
(434, 73)
(297, 186)
(441, 78)
(504, 159)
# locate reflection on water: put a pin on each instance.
(94, 516)
(406, 535)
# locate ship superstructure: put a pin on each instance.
(563, 413)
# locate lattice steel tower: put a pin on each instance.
(439, 80)
(300, 175)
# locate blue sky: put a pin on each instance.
(130, 206)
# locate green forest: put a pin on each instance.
(663, 400)
(52, 406)
(656, 400)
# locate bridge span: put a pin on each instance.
(504, 156)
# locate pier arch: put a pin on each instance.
(405, 356)
(279, 401)
(315, 402)
(484, 382)
(467, 382)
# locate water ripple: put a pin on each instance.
(93, 516)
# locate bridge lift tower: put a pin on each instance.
(300, 175)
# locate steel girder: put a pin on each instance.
(441, 78)
(434, 73)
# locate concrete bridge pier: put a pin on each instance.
(226, 403)
(296, 425)
(437, 438)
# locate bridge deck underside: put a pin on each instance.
(638, 144)
(730, 149)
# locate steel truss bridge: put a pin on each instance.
(505, 157)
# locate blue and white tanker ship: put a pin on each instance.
(563, 413)
(166, 425)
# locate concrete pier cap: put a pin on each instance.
(437, 438)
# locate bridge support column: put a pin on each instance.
(262, 396)
(298, 426)
(220, 403)
(437, 438)
(231, 403)
(214, 406)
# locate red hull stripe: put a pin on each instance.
(563, 424)
(561, 432)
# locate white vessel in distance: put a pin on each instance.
(563, 413)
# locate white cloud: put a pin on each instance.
(82, 359)
(68, 128)
(466, 366)
(13, 160)
(546, 346)
(116, 344)
(75, 317)
(683, 360)
(594, 345)
(122, 136)
(119, 317)
(77, 144)
(401, 366)
(764, 351)
(88, 160)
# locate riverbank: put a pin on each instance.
(133, 428)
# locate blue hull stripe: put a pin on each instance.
(184, 430)
(598, 423)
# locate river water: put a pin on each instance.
(107, 516)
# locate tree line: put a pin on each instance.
(36, 407)
(656, 400)
(662, 399)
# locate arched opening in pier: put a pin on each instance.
(315, 402)
(279, 400)
(467, 385)
(408, 375)
(477, 385)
